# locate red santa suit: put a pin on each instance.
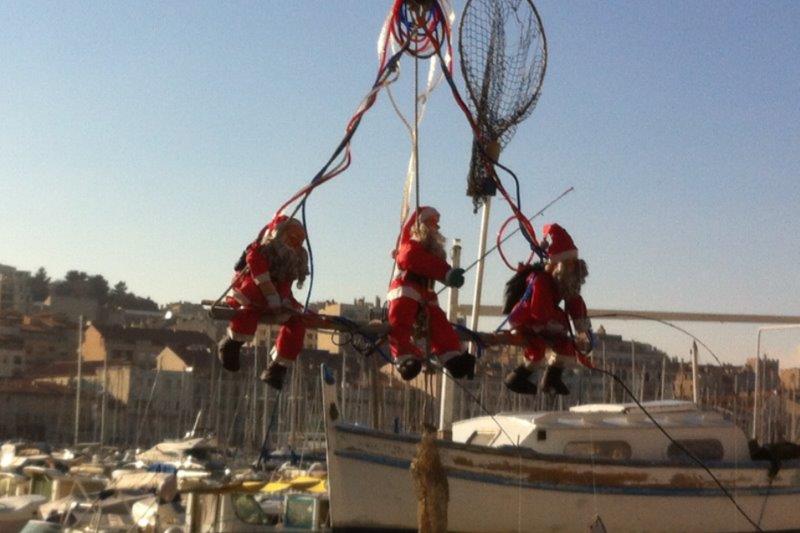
(412, 292)
(248, 300)
(538, 312)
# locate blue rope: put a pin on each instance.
(474, 337)
(391, 64)
(310, 259)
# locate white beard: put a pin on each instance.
(431, 239)
(286, 263)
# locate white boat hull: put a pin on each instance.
(370, 486)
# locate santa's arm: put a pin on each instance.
(259, 270)
(576, 309)
(413, 257)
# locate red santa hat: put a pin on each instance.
(423, 214)
(559, 244)
(270, 231)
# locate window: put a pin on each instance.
(704, 449)
(608, 449)
(299, 512)
(481, 438)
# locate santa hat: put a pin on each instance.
(280, 222)
(423, 214)
(560, 246)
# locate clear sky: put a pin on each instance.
(149, 142)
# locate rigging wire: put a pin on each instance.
(525, 226)
(664, 322)
(505, 238)
(387, 74)
(677, 443)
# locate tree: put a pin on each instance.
(40, 285)
(119, 290)
(98, 288)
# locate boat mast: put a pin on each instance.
(758, 381)
(80, 378)
(694, 373)
(447, 390)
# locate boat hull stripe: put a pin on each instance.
(633, 491)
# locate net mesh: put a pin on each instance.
(503, 58)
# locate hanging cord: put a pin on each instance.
(683, 448)
(387, 74)
(504, 239)
(373, 345)
(263, 455)
(524, 224)
(666, 323)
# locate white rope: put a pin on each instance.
(435, 77)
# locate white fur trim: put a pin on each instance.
(241, 337)
(276, 357)
(403, 292)
(263, 278)
(563, 256)
(240, 297)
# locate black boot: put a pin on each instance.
(409, 369)
(552, 382)
(273, 375)
(518, 380)
(228, 354)
(461, 366)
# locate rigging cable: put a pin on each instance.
(525, 226)
(386, 75)
(677, 443)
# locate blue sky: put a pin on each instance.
(150, 141)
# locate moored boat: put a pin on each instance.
(561, 471)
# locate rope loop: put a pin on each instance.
(421, 23)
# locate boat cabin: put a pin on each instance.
(613, 432)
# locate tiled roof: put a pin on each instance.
(196, 356)
(17, 386)
(163, 337)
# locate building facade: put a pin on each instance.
(15, 289)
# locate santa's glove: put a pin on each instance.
(454, 278)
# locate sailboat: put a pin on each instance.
(564, 471)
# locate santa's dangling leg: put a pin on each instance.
(241, 329)
(446, 345)
(406, 355)
(552, 382)
(284, 354)
(519, 379)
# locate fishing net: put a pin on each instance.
(503, 59)
(430, 485)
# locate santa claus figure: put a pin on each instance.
(420, 257)
(538, 315)
(263, 284)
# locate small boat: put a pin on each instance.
(565, 471)
(15, 511)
